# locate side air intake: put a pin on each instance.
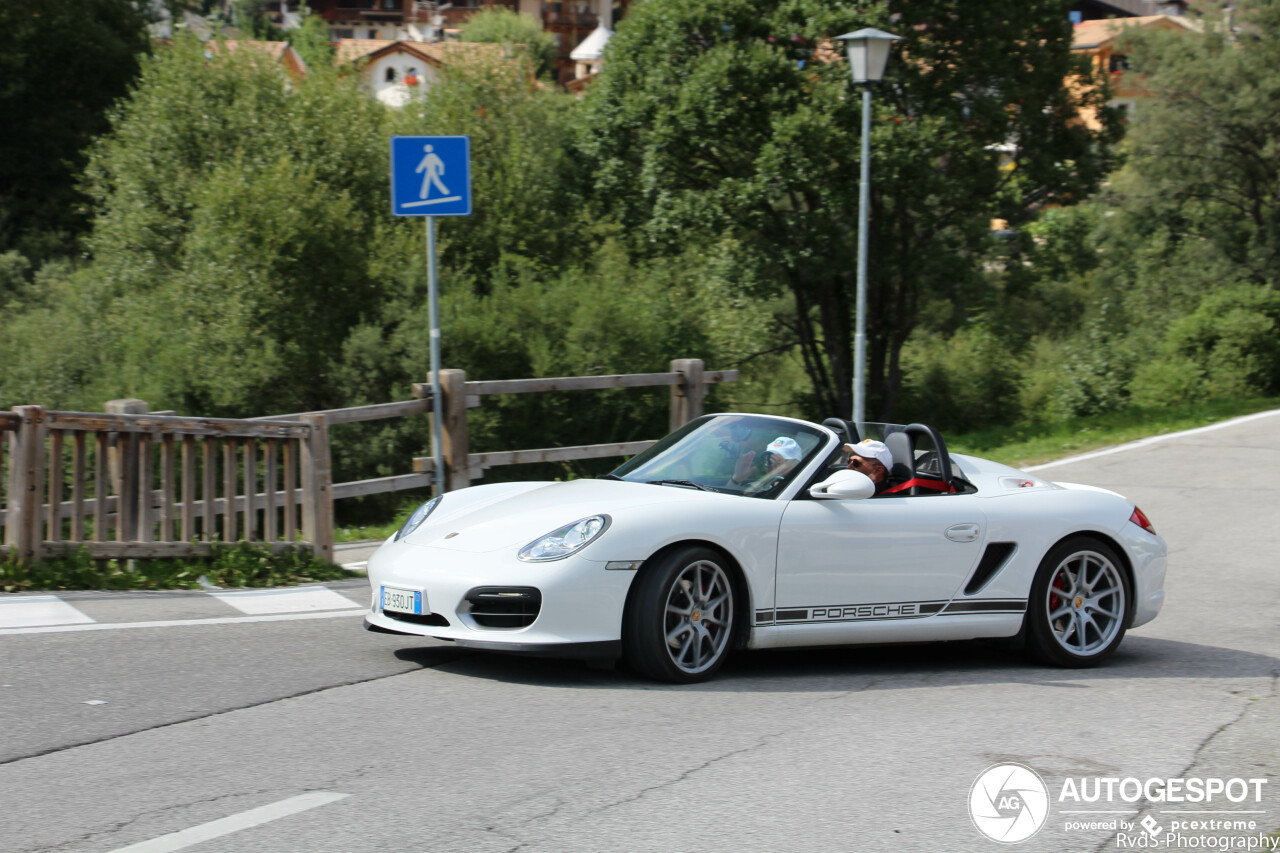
(993, 560)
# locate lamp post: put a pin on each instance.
(868, 51)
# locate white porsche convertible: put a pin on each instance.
(751, 531)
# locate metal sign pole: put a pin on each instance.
(431, 177)
(437, 406)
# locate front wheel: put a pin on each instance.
(680, 620)
(1079, 604)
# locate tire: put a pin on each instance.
(680, 621)
(1080, 604)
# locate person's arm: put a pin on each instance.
(742, 471)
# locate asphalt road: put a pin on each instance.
(290, 734)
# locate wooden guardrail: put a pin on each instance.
(136, 485)
(132, 484)
(687, 378)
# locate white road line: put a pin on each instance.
(179, 623)
(33, 610)
(234, 823)
(258, 602)
(1143, 442)
(356, 567)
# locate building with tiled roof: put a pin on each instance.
(395, 71)
(570, 22)
(280, 52)
(1103, 42)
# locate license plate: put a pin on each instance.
(403, 600)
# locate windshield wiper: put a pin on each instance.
(688, 483)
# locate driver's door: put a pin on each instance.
(875, 559)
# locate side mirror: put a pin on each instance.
(844, 485)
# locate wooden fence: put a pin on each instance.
(133, 484)
(142, 485)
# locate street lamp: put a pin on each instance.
(868, 51)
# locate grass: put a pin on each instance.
(1036, 443)
(239, 565)
(359, 533)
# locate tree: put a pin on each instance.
(1204, 153)
(734, 119)
(500, 25)
(62, 64)
(313, 42)
(241, 230)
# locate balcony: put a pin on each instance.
(574, 19)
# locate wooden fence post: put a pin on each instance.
(24, 528)
(687, 396)
(317, 488)
(453, 385)
(123, 459)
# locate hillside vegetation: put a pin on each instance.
(222, 243)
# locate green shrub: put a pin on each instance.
(963, 383)
(241, 564)
(1227, 348)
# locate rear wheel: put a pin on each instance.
(680, 620)
(1079, 604)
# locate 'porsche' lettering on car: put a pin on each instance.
(864, 611)
(858, 612)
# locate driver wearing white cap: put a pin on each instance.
(872, 458)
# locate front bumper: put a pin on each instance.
(581, 601)
(608, 649)
(1148, 555)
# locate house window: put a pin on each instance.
(1118, 63)
(390, 4)
(373, 34)
(341, 33)
(391, 75)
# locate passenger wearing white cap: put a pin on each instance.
(872, 458)
(782, 455)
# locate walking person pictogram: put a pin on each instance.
(432, 168)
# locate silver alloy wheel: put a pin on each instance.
(699, 616)
(1086, 602)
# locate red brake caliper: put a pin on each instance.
(1054, 601)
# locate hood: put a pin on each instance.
(516, 519)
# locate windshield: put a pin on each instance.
(751, 455)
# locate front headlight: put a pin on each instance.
(559, 544)
(419, 515)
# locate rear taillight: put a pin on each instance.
(1140, 518)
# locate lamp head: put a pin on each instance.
(868, 51)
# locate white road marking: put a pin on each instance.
(1143, 442)
(257, 602)
(234, 823)
(179, 623)
(356, 567)
(32, 610)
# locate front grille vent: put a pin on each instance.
(435, 620)
(504, 606)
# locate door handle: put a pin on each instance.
(963, 532)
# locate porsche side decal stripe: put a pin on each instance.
(992, 606)
(886, 611)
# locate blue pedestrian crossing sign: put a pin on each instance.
(431, 175)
